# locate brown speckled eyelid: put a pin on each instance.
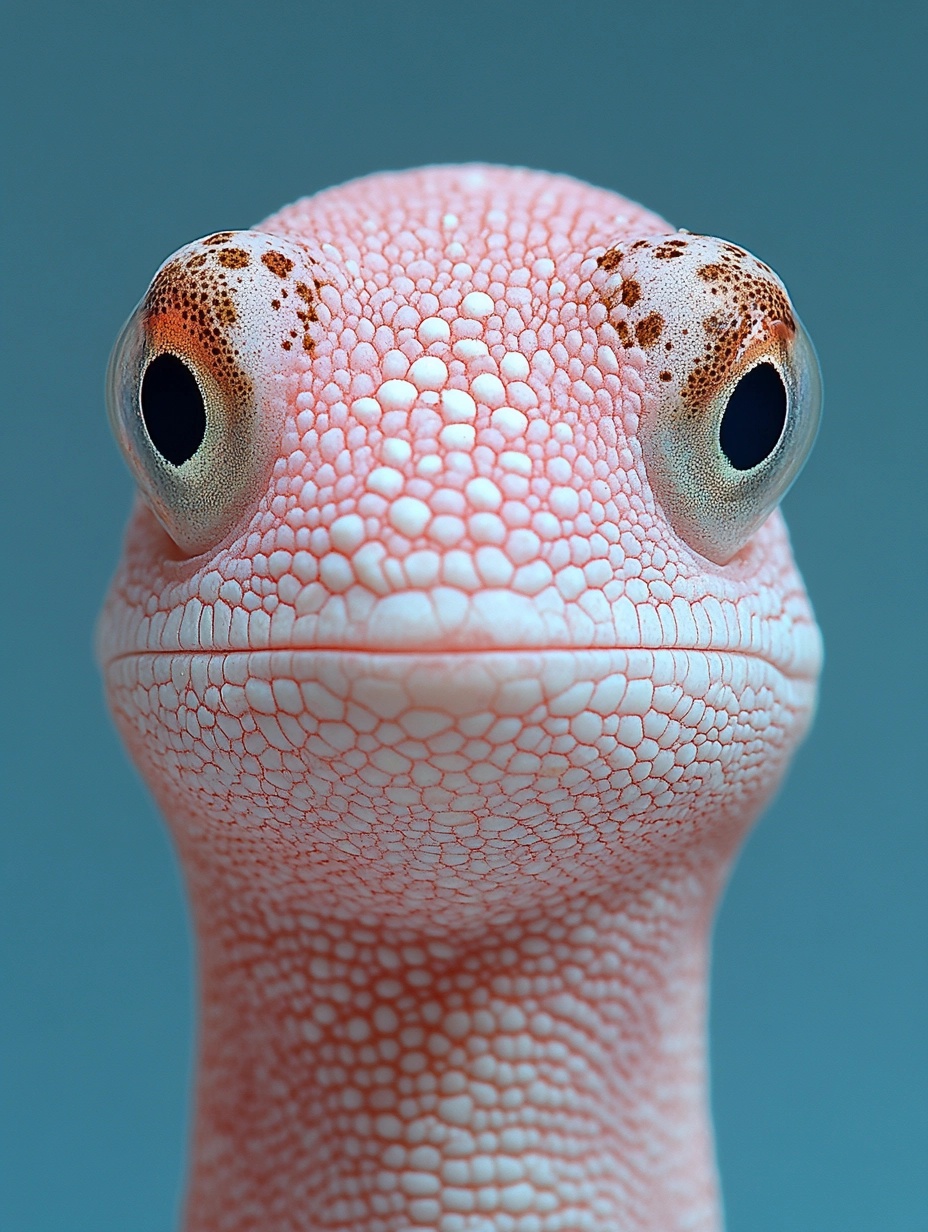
(699, 306)
(705, 313)
(189, 311)
(238, 309)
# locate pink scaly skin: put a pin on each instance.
(460, 656)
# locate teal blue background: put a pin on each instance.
(792, 129)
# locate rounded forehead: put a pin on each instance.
(418, 224)
(458, 465)
(457, 318)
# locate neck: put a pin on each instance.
(549, 1075)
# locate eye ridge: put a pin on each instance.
(754, 417)
(173, 409)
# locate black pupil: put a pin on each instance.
(173, 410)
(754, 418)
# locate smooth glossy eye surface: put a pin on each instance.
(738, 395)
(194, 389)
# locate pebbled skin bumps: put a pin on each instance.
(455, 735)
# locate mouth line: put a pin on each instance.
(459, 652)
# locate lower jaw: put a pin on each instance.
(449, 792)
(452, 918)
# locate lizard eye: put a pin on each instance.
(196, 388)
(754, 418)
(173, 409)
(735, 390)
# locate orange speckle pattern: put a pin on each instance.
(233, 258)
(737, 303)
(278, 264)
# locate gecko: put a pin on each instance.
(458, 637)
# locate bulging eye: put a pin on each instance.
(195, 388)
(735, 386)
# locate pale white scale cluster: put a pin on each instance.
(457, 738)
(519, 767)
(460, 469)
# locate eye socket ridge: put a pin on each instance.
(190, 447)
(733, 392)
(719, 473)
(193, 389)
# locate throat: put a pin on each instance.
(551, 1076)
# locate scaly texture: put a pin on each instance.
(455, 735)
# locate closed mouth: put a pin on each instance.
(803, 673)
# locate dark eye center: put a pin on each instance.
(172, 408)
(754, 418)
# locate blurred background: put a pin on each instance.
(791, 128)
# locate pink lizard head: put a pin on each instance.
(457, 585)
